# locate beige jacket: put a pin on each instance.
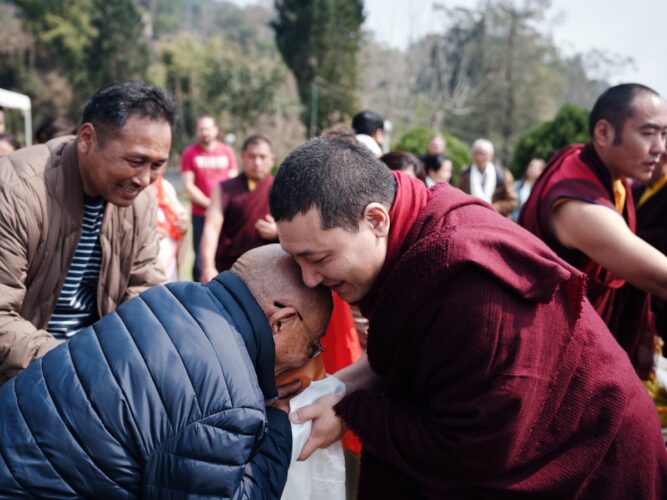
(41, 211)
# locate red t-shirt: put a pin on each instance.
(209, 167)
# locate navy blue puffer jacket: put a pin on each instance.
(164, 398)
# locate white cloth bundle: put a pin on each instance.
(322, 475)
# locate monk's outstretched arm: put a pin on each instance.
(602, 234)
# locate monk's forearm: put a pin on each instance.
(359, 375)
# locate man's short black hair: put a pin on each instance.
(616, 105)
(111, 106)
(432, 163)
(338, 178)
(255, 139)
(367, 122)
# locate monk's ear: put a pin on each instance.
(377, 216)
(603, 134)
(85, 138)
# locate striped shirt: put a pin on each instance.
(76, 307)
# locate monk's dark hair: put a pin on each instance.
(402, 160)
(616, 105)
(255, 139)
(367, 122)
(111, 106)
(336, 177)
(432, 163)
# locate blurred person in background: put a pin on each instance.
(651, 199)
(369, 129)
(8, 144)
(404, 162)
(53, 127)
(487, 180)
(438, 168)
(203, 166)
(172, 224)
(436, 145)
(523, 186)
(238, 218)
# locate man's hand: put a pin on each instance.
(207, 274)
(267, 228)
(183, 222)
(326, 426)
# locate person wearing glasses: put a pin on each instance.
(173, 394)
(487, 374)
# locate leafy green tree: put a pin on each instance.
(569, 126)
(118, 51)
(216, 78)
(416, 139)
(319, 41)
(91, 42)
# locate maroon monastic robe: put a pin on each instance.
(242, 209)
(499, 377)
(577, 173)
(652, 227)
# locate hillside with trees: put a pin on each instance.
(299, 65)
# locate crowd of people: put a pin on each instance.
(495, 338)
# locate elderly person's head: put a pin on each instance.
(482, 153)
(298, 315)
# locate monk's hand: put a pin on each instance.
(326, 429)
(267, 228)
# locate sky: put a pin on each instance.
(636, 29)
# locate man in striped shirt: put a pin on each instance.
(77, 232)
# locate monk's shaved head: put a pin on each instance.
(272, 276)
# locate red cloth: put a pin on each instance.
(341, 349)
(242, 209)
(169, 225)
(500, 378)
(576, 172)
(209, 168)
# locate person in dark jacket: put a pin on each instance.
(488, 373)
(170, 395)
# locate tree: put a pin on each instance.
(118, 51)
(447, 66)
(216, 78)
(568, 127)
(319, 41)
(91, 42)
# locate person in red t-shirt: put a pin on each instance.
(204, 165)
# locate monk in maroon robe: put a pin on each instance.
(652, 227)
(238, 218)
(488, 373)
(242, 209)
(582, 207)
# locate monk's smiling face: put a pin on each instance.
(345, 261)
